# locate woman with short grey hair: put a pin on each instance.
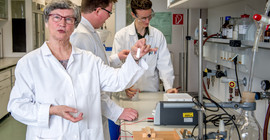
(62, 4)
(57, 87)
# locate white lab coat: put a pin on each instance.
(160, 64)
(42, 81)
(85, 37)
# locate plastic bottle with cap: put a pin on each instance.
(235, 32)
(243, 25)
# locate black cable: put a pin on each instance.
(237, 81)
(200, 105)
(192, 132)
(205, 127)
(214, 119)
(227, 114)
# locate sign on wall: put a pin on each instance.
(163, 22)
(178, 19)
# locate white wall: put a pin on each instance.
(110, 24)
(120, 15)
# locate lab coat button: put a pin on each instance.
(75, 136)
(70, 95)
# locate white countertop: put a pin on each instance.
(145, 105)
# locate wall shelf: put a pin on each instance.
(201, 4)
(245, 43)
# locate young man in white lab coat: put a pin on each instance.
(160, 65)
(94, 13)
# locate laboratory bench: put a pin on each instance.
(7, 78)
(145, 106)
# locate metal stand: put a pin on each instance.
(200, 113)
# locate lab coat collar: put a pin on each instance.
(47, 52)
(133, 30)
(87, 24)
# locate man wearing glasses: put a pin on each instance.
(160, 65)
(93, 15)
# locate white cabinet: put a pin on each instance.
(6, 82)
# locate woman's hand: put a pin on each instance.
(65, 112)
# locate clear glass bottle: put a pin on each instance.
(243, 25)
(235, 32)
(235, 28)
(248, 127)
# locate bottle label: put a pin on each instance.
(243, 29)
(266, 38)
(224, 32)
(229, 33)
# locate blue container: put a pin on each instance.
(114, 130)
(108, 48)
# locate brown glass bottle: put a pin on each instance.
(225, 27)
(267, 34)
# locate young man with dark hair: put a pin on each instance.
(160, 65)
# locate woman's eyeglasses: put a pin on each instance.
(58, 18)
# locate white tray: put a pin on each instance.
(177, 97)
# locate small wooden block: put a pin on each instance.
(153, 135)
